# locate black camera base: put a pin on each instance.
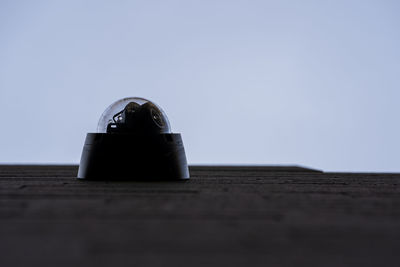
(127, 156)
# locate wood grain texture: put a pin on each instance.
(224, 215)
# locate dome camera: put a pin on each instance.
(133, 142)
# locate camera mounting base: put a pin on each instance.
(127, 156)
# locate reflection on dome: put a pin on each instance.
(133, 115)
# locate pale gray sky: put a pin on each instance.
(314, 83)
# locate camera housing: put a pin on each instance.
(133, 142)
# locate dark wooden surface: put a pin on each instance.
(237, 216)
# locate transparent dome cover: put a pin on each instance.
(133, 115)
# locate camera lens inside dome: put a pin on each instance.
(134, 115)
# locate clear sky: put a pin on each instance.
(314, 83)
